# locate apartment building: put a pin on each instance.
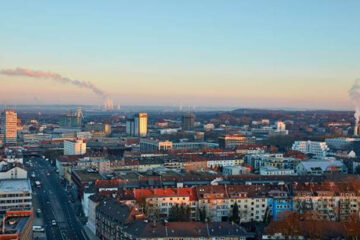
(319, 149)
(329, 200)
(218, 202)
(158, 202)
(277, 160)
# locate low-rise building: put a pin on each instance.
(17, 225)
(235, 170)
(274, 171)
(320, 167)
(15, 194)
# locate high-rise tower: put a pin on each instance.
(9, 126)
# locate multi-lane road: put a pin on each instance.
(59, 217)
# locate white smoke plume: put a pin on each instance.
(354, 93)
(53, 76)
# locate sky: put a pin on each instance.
(264, 54)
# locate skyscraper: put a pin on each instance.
(137, 126)
(9, 126)
(188, 122)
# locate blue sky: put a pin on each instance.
(233, 53)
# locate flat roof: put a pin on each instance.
(13, 185)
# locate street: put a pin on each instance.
(59, 217)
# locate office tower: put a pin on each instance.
(9, 126)
(188, 121)
(137, 126)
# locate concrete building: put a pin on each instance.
(9, 126)
(15, 194)
(318, 149)
(75, 147)
(188, 122)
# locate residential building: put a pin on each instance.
(128, 224)
(271, 160)
(141, 229)
(279, 202)
(159, 201)
(331, 201)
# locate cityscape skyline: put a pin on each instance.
(300, 55)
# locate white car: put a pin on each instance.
(53, 222)
(38, 229)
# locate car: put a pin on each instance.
(53, 222)
(38, 229)
(38, 210)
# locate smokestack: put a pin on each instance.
(354, 93)
(356, 129)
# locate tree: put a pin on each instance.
(357, 170)
(235, 214)
(202, 214)
(179, 213)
